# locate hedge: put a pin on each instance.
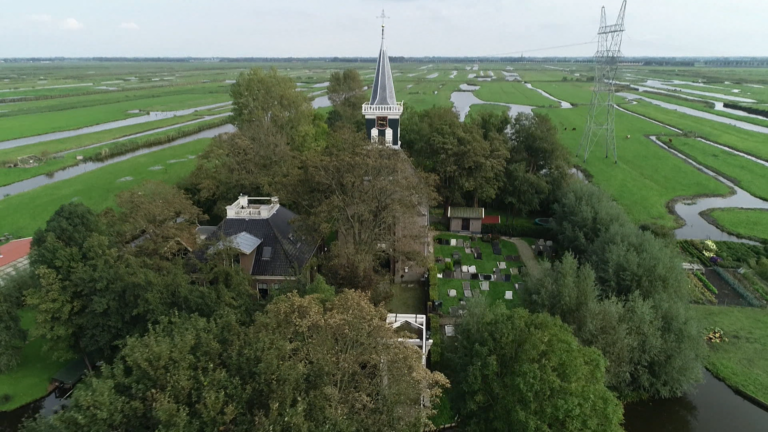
(433, 283)
(749, 298)
(437, 339)
(511, 230)
(705, 282)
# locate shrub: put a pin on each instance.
(433, 283)
(449, 266)
(437, 339)
(5, 398)
(705, 282)
(438, 226)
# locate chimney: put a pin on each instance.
(243, 201)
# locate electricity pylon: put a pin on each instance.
(600, 124)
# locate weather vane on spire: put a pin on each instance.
(383, 17)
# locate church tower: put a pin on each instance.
(382, 113)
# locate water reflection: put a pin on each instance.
(711, 407)
(464, 100)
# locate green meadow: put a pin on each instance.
(96, 188)
(30, 380)
(749, 142)
(742, 361)
(647, 177)
(512, 93)
(746, 174)
(749, 223)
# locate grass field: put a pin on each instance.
(30, 380)
(46, 122)
(577, 93)
(647, 177)
(749, 142)
(12, 175)
(750, 223)
(703, 106)
(484, 266)
(742, 362)
(746, 174)
(97, 188)
(512, 93)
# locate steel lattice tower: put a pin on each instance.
(602, 114)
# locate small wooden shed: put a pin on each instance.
(466, 219)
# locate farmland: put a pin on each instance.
(46, 98)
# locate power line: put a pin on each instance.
(541, 49)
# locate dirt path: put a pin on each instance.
(526, 254)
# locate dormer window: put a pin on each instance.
(381, 123)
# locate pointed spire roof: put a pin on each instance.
(383, 87)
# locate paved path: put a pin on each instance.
(526, 254)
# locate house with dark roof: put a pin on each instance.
(466, 219)
(270, 251)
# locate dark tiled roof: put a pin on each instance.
(288, 251)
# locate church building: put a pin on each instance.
(382, 113)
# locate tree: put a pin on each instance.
(371, 197)
(303, 365)
(512, 370)
(239, 163)
(267, 98)
(538, 165)
(465, 163)
(12, 335)
(158, 218)
(99, 292)
(347, 95)
(639, 315)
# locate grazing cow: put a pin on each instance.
(670, 140)
(573, 129)
(628, 136)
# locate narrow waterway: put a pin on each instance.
(689, 210)
(660, 85)
(463, 100)
(163, 129)
(700, 114)
(696, 228)
(67, 173)
(563, 104)
(152, 116)
(710, 407)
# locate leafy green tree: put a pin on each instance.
(582, 214)
(100, 291)
(538, 164)
(12, 335)
(639, 315)
(465, 163)
(156, 218)
(347, 96)
(371, 197)
(302, 366)
(237, 163)
(511, 370)
(262, 98)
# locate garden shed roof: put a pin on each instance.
(466, 212)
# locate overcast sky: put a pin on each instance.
(282, 28)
